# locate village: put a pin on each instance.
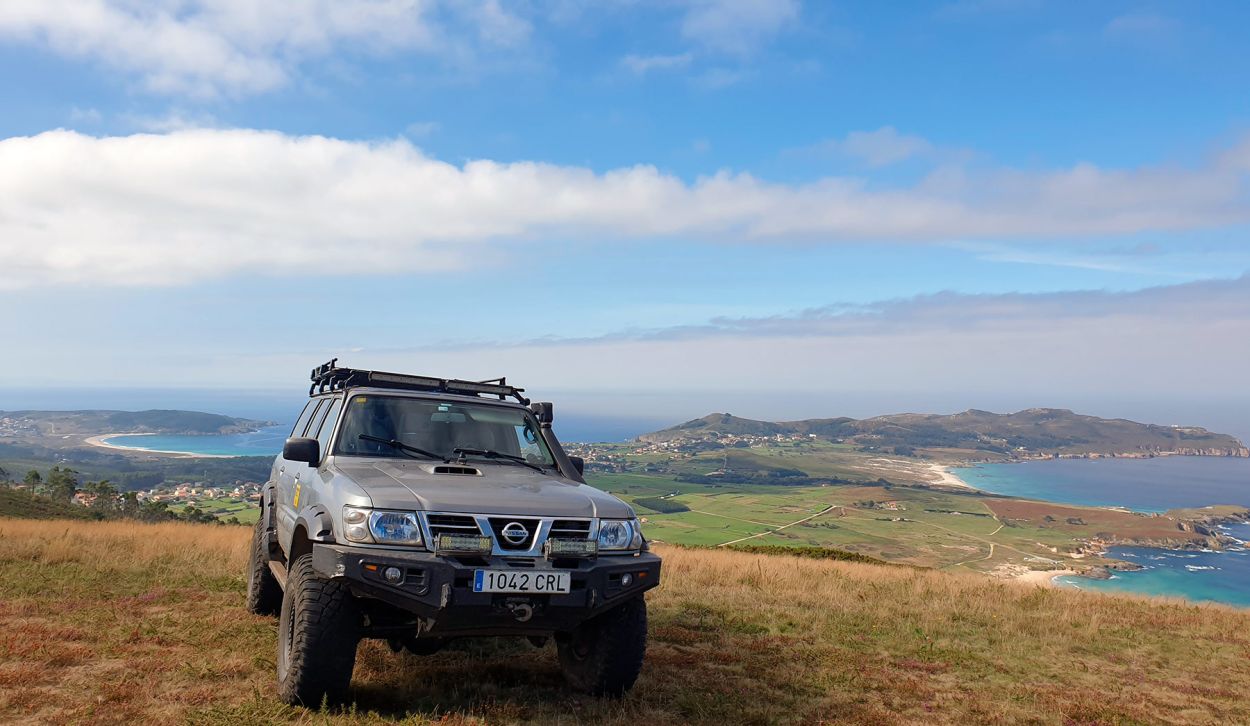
(194, 493)
(242, 495)
(615, 457)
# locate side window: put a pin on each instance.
(310, 429)
(527, 441)
(302, 422)
(327, 425)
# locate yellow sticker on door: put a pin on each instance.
(296, 503)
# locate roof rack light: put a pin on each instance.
(377, 377)
(329, 377)
(472, 387)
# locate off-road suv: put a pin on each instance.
(419, 510)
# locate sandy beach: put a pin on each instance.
(100, 442)
(1042, 577)
(946, 478)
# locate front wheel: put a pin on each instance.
(603, 656)
(317, 637)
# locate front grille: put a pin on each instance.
(519, 561)
(451, 524)
(498, 524)
(570, 529)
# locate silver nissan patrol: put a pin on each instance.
(418, 510)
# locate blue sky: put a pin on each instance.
(609, 201)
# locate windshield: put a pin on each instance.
(397, 427)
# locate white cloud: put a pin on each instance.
(643, 64)
(1146, 27)
(1090, 351)
(210, 47)
(421, 129)
(882, 147)
(195, 204)
(85, 115)
(1042, 349)
(715, 79)
(737, 27)
(497, 26)
(173, 120)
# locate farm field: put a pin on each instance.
(224, 508)
(892, 508)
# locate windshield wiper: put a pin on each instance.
(401, 446)
(497, 455)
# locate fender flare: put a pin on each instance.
(266, 505)
(317, 523)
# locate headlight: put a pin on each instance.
(366, 525)
(617, 534)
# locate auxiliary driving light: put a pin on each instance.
(471, 544)
(627, 580)
(571, 548)
(393, 575)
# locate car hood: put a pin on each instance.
(501, 489)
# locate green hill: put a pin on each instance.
(1034, 431)
(22, 504)
(35, 424)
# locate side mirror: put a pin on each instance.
(543, 412)
(298, 448)
(578, 463)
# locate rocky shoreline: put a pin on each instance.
(1201, 526)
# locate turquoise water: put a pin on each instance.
(1199, 576)
(1145, 485)
(265, 442)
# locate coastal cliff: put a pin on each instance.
(973, 435)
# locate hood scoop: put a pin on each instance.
(456, 469)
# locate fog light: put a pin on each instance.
(571, 548)
(393, 575)
(463, 543)
(626, 579)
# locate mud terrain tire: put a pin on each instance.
(318, 631)
(604, 655)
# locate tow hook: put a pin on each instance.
(522, 611)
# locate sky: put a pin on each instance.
(642, 209)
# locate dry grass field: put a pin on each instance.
(118, 622)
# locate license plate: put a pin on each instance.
(534, 582)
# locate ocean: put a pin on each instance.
(1200, 576)
(265, 442)
(1144, 485)
(268, 441)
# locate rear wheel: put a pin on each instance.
(603, 656)
(317, 637)
(264, 595)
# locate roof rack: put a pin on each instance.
(329, 377)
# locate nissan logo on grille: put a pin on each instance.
(515, 532)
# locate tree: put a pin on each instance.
(105, 495)
(62, 483)
(4, 475)
(32, 478)
(131, 507)
(156, 512)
